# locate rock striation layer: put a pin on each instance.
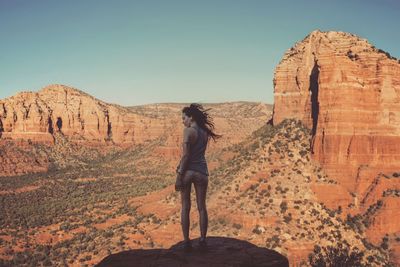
(348, 93)
(37, 115)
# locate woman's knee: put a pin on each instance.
(202, 208)
(186, 208)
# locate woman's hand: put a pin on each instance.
(178, 183)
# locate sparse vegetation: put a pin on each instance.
(283, 206)
(277, 192)
(341, 255)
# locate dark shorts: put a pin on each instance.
(198, 178)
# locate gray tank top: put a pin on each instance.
(197, 161)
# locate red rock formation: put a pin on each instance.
(382, 223)
(331, 195)
(36, 115)
(348, 93)
(83, 119)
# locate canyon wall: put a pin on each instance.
(37, 115)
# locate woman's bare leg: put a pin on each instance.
(185, 220)
(201, 191)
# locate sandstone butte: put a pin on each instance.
(348, 92)
(37, 115)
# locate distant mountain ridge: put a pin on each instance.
(58, 111)
(78, 115)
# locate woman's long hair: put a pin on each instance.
(202, 118)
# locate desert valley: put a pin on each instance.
(82, 179)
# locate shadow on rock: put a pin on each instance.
(220, 251)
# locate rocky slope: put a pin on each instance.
(19, 157)
(263, 191)
(348, 92)
(266, 195)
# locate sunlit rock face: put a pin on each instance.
(37, 115)
(348, 92)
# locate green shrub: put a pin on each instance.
(335, 256)
(237, 226)
(257, 230)
(283, 206)
(287, 218)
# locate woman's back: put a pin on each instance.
(197, 160)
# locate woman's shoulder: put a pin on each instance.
(190, 131)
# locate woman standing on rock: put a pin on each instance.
(192, 168)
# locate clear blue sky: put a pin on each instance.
(137, 52)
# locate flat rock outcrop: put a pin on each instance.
(220, 251)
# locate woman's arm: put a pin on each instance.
(187, 138)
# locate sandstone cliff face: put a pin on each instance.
(348, 92)
(81, 117)
(37, 115)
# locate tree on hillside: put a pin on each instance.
(339, 256)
